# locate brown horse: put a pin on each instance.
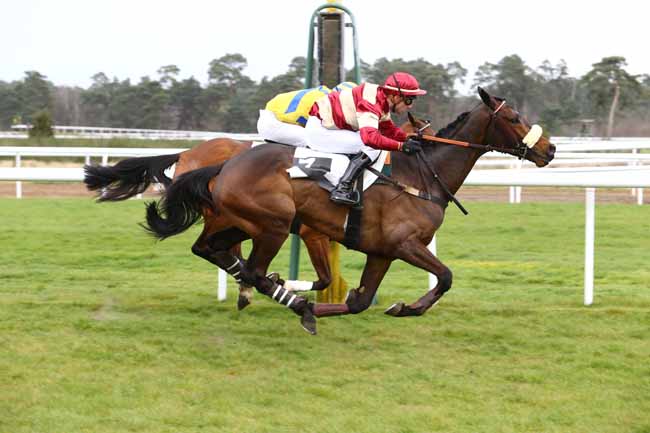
(254, 198)
(134, 175)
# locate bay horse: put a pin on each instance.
(133, 176)
(252, 197)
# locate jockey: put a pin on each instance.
(284, 117)
(357, 121)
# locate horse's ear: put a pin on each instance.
(412, 119)
(487, 99)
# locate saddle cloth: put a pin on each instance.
(311, 164)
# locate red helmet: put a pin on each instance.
(404, 82)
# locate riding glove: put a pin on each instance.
(411, 146)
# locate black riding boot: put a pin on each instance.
(343, 193)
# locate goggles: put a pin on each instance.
(408, 100)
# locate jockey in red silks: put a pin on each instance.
(357, 121)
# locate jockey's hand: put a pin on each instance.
(411, 147)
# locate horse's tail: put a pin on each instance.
(128, 177)
(182, 203)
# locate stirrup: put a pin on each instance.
(346, 198)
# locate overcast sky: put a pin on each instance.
(70, 40)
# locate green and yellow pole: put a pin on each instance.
(330, 48)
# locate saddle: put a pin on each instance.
(327, 168)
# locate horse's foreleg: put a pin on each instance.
(417, 254)
(359, 300)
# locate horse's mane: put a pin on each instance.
(449, 129)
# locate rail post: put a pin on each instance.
(590, 211)
(19, 184)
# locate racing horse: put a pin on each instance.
(252, 197)
(133, 176)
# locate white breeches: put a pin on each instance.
(270, 128)
(336, 140)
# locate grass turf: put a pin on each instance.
(104, 330)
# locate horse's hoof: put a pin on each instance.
(242, 302)
(308, 321)
(396, 309)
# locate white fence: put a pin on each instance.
(570, 152)
(620, 170)
(97, 132)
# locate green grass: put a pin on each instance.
(104, 330)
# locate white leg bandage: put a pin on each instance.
(298, 286)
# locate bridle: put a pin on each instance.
(520, 151)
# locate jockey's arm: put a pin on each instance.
(372, 137)
(369, 130)
(390, 130)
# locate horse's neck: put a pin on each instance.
(455, 162)
(451, 163)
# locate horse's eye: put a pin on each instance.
(515, 120)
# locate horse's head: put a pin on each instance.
(511, 131)
(415, 126)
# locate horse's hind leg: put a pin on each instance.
(245, 290)
(223, 249)
(417, 254)
(265, 248)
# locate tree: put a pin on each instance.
(41, 125)
(153, 100)
(228, 70)
(96, 101)
(168, 75)
(293, 79)
(188, 104)
(511, 78)
(558, 97)
(611, 87)
(34, 94)
(9, 104)
(438, 80)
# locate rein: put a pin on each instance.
(519, 152)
